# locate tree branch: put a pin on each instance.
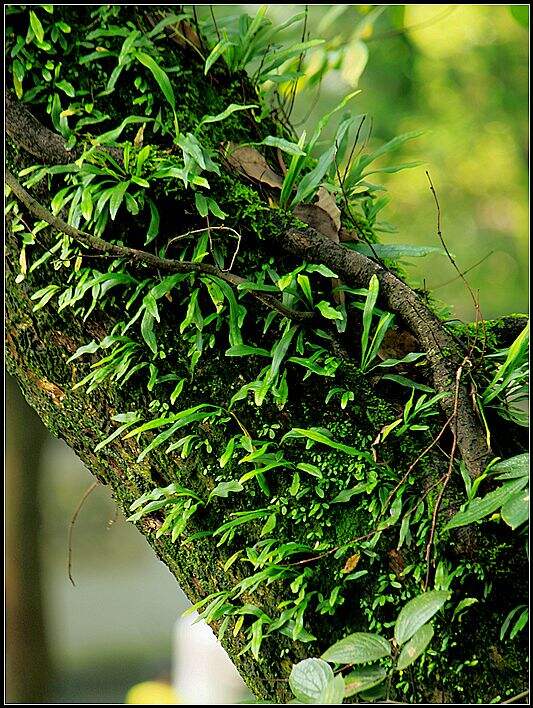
(137, 256)
(443, 352)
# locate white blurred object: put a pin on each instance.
(202, 672)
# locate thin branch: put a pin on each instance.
(443, 353)
(87, 492)
(464, 272)
(149, 259)
(516, 698)
(448, 475)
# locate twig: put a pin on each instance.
(149, 259)
(516, 698)
(413, 465)
(448, 473)
(475, 300)
(86, 493)
(443, 353)
(210, 228)
(464, 272)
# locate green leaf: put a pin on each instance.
(417, 612)
(310, 469)
(85, 349)
(246, 350)
(150, 304)
(368, 312)
(236, 312)
(513, 467)
(36, 26)
(229, 110)
(515, 511)
(347, 494)
(404, 381)
(216, 52)
(358, 648)
(309, 678)
(86, 204)
(160, 76)
(269, 525)
(328, 312)
(362, 679)
(333, 693)
(116, 198)
(282, 144)
(317, 436)
(278, 353)
(112, 135)
(147, 331)
(516, 356)
(482, 507)
(223, 489)
(310, 183)
(415, 646)
(153, 228)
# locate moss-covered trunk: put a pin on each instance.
(468, 663)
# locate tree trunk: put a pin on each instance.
(29, 668)
(40, 344)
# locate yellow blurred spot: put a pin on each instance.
(152, 693)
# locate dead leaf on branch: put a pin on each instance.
(351, 563)
(248, 161)
(326, 202)
(397, 344)
(324, 215)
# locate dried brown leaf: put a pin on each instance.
(318, 219)
(398, 343)
(248, 161)
(326, 201)
(351, 563)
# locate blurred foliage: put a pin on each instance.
(460, 73)
(152, 693)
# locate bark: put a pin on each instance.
(40, 343)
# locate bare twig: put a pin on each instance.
(448, 475)
(149, 259)
(86, 493)
(464, 272)
(516, 698)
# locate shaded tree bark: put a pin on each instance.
(29, 667)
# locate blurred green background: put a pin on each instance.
(460, 73)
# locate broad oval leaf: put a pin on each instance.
(309, 678)
(515, 511)
(415, 646)
(333, 693)
(417, 612)
(363, 679)
(358, 648)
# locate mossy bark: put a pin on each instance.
(40, 343)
